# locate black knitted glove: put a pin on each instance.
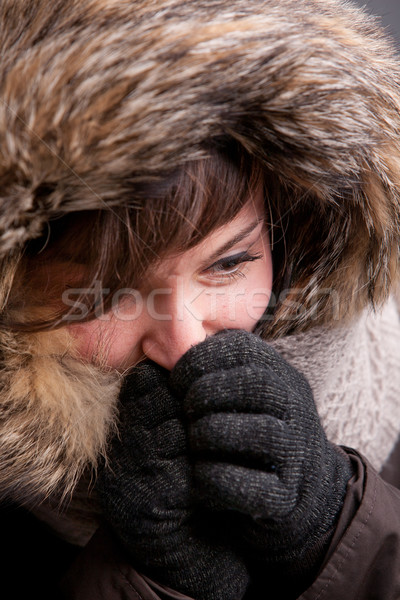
(259, 450)
(146, 493)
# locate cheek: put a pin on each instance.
(244, 304)
(87, 337)
(111, 343)
(259, 292)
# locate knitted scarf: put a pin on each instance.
(354, 372)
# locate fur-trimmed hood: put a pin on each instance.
(100, 95)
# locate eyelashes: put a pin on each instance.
(231, 267)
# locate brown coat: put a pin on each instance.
(362, 563)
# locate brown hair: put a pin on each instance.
(116, 246)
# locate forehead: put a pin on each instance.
(252, 213)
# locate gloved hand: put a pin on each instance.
(146, 492)
(260, 451)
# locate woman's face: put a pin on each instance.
(222, 283)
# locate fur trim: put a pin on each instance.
(55, 416)
(97, 96)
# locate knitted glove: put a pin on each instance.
(146, 493)
(259, 450)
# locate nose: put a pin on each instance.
(165, 342)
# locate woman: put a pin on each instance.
(172, 172)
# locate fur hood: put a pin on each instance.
(99, 95)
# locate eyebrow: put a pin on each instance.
(241, 235)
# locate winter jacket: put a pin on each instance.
(99, 96)
(362, 563)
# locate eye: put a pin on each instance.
(231, 267)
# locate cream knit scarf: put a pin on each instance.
(354, 372)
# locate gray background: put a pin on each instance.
(389, 10)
